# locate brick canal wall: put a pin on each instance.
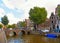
(2, 37)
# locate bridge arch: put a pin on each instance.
(14, 33)
(23, 32)
(28, 32)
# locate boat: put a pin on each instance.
(51, 35)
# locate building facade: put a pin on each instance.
(29, 24)
(55, 21)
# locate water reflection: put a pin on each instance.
(15, 40)
(33, 39)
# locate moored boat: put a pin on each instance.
(51, 35)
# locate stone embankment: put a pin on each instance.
(2, 37)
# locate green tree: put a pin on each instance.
(1, 25)
(13, 26)
(37, 15)
(58, 10)
(21, 24)
(4, 20)
(9, 26)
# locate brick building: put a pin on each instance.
(53, 23)
(55, 20)
(29, 24)
(45, 25)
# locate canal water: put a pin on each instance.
(32, 39)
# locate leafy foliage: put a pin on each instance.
(9, 26)
(21, 24)
(4, 20)
(1, 25)
(58, 10)
(13, 26)
(38, 15)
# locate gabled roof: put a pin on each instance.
(52, 14)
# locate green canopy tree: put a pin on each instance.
(58, 10)
(1, 25)
(13, 26)
(21, 24)
(4, 21)
(9, 26)
(37, 15)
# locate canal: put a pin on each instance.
(32, 39)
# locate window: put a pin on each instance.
(57, 17)
(57, 26)
(52, 21)
(52, 17)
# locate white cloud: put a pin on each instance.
(2, 12)
(8, 4)
(10, 16)
(12, 19)
(50, 6)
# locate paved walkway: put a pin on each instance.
(2, 37)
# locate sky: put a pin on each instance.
(18, 10)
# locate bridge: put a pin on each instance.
(16, 32)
